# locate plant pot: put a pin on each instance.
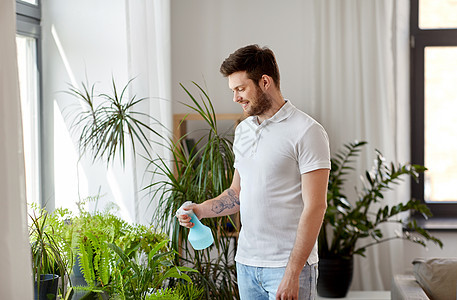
(77, 279)
(335, 277)
(48, 287)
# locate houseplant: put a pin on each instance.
(111, 254)
(201, 173)
(144, 273)
(108, 122)
(350, 227)
(103, 129)
(49, 260)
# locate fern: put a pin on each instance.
(189, 291)
(101, 256)
(104, 263)
(85, 261)
(165, 294)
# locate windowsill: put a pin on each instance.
(437, 224)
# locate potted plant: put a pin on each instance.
(112, 254)
(141, 273)
(347, 224)
(108, 122)
(103, 130)
(91, 234)
(49, 261)
(202, 172)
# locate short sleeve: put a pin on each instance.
(313, 149)
(235, 145)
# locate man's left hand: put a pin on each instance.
(288, 289)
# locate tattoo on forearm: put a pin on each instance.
(226, 202)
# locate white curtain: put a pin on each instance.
(148, 38)
(361, 93)
(15, 263)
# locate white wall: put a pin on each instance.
(205, 32)
(82, 38)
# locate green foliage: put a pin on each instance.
(165, 294)
(189, 291)
(183, 291)
(346, 223)
(108, 122)
(141, 278)
(90, 235)
(140, 236)
(47, 246)
(118, 260)
(199, 174)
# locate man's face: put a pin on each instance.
(246, 92)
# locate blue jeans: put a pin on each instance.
(255, 283)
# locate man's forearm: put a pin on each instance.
(314, 193)
(307, 232)
(225, 204)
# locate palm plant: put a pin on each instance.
(202, 173)
(104, 129)
(107, 122)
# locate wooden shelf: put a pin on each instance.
(180, 122)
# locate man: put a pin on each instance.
(282, 164)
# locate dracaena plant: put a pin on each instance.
(201, 173)
(108, 122)
(47, 247)
(350, 227)
(104, 126)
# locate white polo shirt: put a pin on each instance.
(270, 159)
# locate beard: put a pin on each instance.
(260, 104)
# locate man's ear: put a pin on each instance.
(265, 82)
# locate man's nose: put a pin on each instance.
(236, 97)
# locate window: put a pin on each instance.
(434, 103)
(28, 56)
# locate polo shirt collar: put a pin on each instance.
(283, 113)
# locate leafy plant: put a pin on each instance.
(98, 237)
(165, 294)
(91, 234)
(188, 291)
(103, 130)
(183, 291)
(143, 278)
(48, 256)
(199, 174)
(107, 122)
(346, 223)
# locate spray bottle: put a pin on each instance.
(200, 236)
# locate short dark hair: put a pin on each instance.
(255, 61)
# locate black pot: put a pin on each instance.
(48, 287)
(335, 277)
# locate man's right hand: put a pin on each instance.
(184, 220)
